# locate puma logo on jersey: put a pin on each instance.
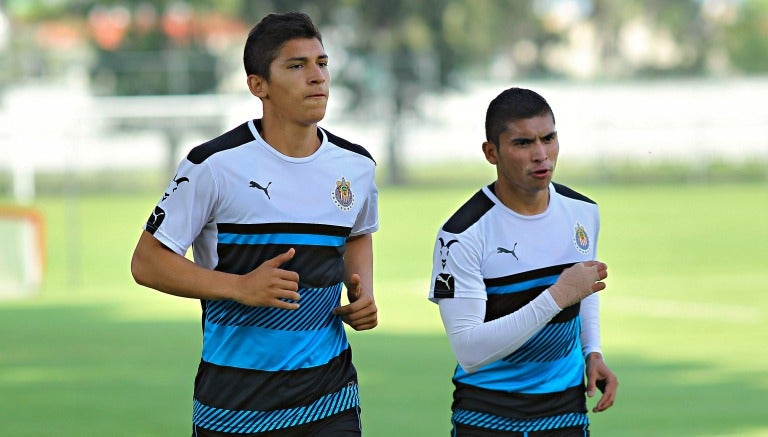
(176, 183)
(444, 283)
(503, 250)
(155, 219)
(264, 189)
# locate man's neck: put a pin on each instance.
(524, 203)
(290, 139)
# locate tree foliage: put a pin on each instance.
(390, 51)
(433, 42)
(747, 38)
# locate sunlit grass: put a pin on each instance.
(683, 320)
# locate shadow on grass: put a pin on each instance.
(78, 370)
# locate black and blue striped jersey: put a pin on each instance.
(238, 202)
(487, 251)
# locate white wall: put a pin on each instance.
(48, 127)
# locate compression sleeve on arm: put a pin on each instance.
(477, 343)
(590, 325)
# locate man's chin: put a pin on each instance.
(312, 121)
(315, 116)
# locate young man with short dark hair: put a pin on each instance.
(514, 275)
(279, 213)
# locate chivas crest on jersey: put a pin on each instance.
(580, 238)
(342, 195)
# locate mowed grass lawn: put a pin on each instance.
(684, 321)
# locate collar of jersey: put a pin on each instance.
(320, 133)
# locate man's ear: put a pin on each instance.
(491, 152)
(258, 86)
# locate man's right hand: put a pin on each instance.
(577, 282)
(270, 286)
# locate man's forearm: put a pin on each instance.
(358, 258)
(154, 265)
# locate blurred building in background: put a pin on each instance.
(88, 85)
(175, 47)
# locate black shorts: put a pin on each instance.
(460, 430)
(344, 424)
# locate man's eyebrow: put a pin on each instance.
(524, 138)
(305, 58)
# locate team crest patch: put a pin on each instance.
(580, 238)
(342, 195)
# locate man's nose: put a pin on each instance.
(539, 151)
(316, 75)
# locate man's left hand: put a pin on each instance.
(361, 312)
(599, 373)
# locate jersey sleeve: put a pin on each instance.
(476, 342)
(185, 207)
(367, 220)
(457, 267)
(590, 309)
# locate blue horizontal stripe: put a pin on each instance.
(523, 286)
(253, 347)
(531, 378)
(287, 239)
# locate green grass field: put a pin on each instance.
(684, 321)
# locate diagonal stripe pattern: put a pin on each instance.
(553, 342)
(490, 421)
(314, 312)
(245, 422)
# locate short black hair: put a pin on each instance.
(511, 105)
(268, 36)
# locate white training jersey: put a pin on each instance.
(488, 252)
(239, 202)
(248, 181)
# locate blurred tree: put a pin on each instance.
(747, 38)
(395, 50)
(392, 51)
(407, 48)
(149, 49)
